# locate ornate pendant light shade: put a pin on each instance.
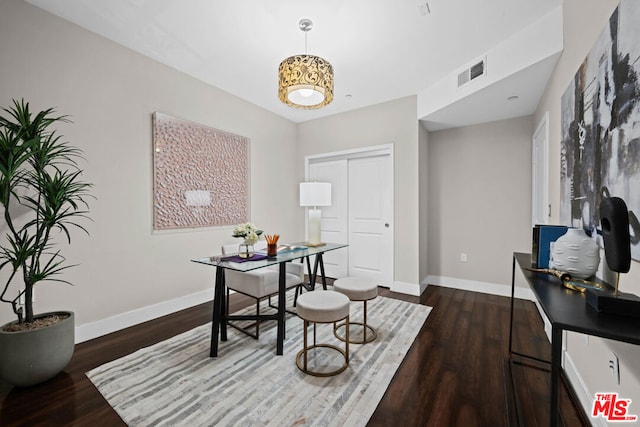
(305, 81)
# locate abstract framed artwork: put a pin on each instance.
(200, 175)
(600, 149)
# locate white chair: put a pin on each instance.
(258, 284)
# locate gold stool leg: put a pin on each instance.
(347, 343)
(306, 324)
(365, 321)
(302, 354)
(369, 333)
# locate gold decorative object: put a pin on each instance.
(305, 81)
(562, 275)
(582, 285)
(569, 282)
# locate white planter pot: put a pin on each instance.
(575, 253)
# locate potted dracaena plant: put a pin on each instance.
(43, 196)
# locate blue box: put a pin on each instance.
(543, 235)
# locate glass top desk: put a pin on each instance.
(219, 321)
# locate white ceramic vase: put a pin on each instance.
(575, 253)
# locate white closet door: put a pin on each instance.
(371, 219)
(334, 218)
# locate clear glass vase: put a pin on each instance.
(245, 250)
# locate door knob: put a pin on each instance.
(386, 224)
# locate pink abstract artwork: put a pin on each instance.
(200, 175)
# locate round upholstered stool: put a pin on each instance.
(357, 289)
(321, 307)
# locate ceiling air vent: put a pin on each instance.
(476, 70)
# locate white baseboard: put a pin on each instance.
(483, 287)
(585, 397)
(115, 323)
(102, 327)
(415, 289)
(545, 320)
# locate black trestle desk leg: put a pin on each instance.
(311, 284)
(217, 305)
(223, 309)
(282, 289)
(314, 275)
(324, 278)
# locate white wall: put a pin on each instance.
(390, 122)
(111, 92)
(543, 41)
(479, 184)
(584, 20)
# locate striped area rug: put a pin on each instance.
(175, 383)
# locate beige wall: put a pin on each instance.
(423, 188)
(584, 20)
(110, 92)
(390, 122)
(479, 200)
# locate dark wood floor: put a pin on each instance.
(455, 374)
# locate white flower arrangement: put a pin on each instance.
(248, 231)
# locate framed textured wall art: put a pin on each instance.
(600, 150)
(200, 175)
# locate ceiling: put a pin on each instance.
(380, 49)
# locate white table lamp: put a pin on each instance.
(312, 195)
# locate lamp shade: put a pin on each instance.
(315, 194)
(305, 81)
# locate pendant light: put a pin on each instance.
(305, 81)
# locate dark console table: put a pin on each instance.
(567, 310)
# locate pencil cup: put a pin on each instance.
(272, 249)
